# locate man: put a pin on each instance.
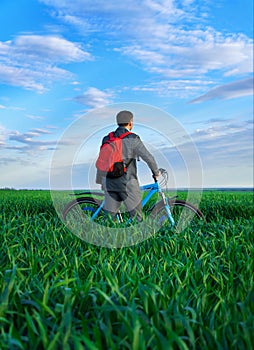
(126, 188)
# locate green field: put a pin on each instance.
(173, 291)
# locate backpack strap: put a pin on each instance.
(111, 136)
(121, 137)
(125, 134)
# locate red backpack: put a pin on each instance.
(110, 159)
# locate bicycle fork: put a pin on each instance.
(167, 208)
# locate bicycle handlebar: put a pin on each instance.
(162, 172)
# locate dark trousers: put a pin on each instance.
(131, 198)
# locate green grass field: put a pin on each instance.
(173, 291)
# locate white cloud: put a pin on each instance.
(226, 152)
(236, 89)
(3, 135)
(41, 131)
(146, 56)
(229, 158)
(30, 61)
(170, 39)
(180, 88)
(94, 98)
(28, 140)
(34, 117)
(229, 143)
(52, 48)
(193, 53)
(26, 78)
(218, 128)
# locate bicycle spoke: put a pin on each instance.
(186, 218)
(185, 215)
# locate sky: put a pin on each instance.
(65, 61)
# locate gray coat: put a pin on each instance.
(133, 149)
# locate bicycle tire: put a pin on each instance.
(185, 215)
(80, 207)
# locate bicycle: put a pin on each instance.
(168, 212)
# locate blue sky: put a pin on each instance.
(61, 59)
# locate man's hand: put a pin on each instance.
(155, 177)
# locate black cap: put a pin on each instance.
(124, 117)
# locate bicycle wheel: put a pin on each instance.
(185, 215)
(80, 210)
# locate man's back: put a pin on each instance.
(132, 149)
(126, 187)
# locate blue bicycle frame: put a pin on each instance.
(155, 188)
(152, 188)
